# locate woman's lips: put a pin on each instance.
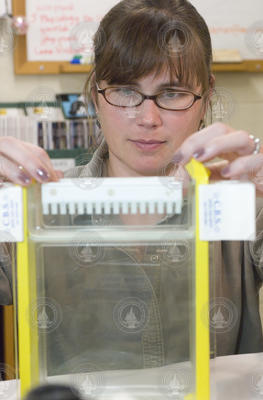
(147, 145)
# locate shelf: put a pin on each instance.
(244, 66)
(75, 68)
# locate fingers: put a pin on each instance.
(217, 140)
(248, 165)
(59, 174)
(241, 168)
(11, 172)
(215, 169)
(22, 161)
(234, 147)
(228, 147)
(195, 144)
(42, 156)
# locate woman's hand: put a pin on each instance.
(235, 149)
(20, 162)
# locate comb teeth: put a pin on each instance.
(147, 195)
(108, 209)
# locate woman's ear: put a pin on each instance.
(210, 90)
(212, 80)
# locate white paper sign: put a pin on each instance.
(11, 214)
(58, 29)
(227, 211)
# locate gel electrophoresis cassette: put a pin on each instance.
(111, 286)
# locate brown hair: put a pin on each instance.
(138, 37)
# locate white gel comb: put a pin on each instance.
(145, 195)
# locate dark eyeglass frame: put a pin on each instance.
(152, 97)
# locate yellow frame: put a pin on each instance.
(27, 311)
(201, 176)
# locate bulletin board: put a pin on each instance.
(49, 44)
(236, 29)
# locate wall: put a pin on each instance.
(247, 93)
(25, 87)
(242, 92)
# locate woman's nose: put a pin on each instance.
(148, 114)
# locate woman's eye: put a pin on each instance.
(172, 95)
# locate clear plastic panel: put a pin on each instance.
(115, 302)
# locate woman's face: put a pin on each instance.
(143, 140)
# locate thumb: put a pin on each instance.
(59, 174)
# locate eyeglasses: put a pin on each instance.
(168, 99)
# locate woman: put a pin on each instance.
(151, 86)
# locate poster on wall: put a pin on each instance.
(59, 30)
